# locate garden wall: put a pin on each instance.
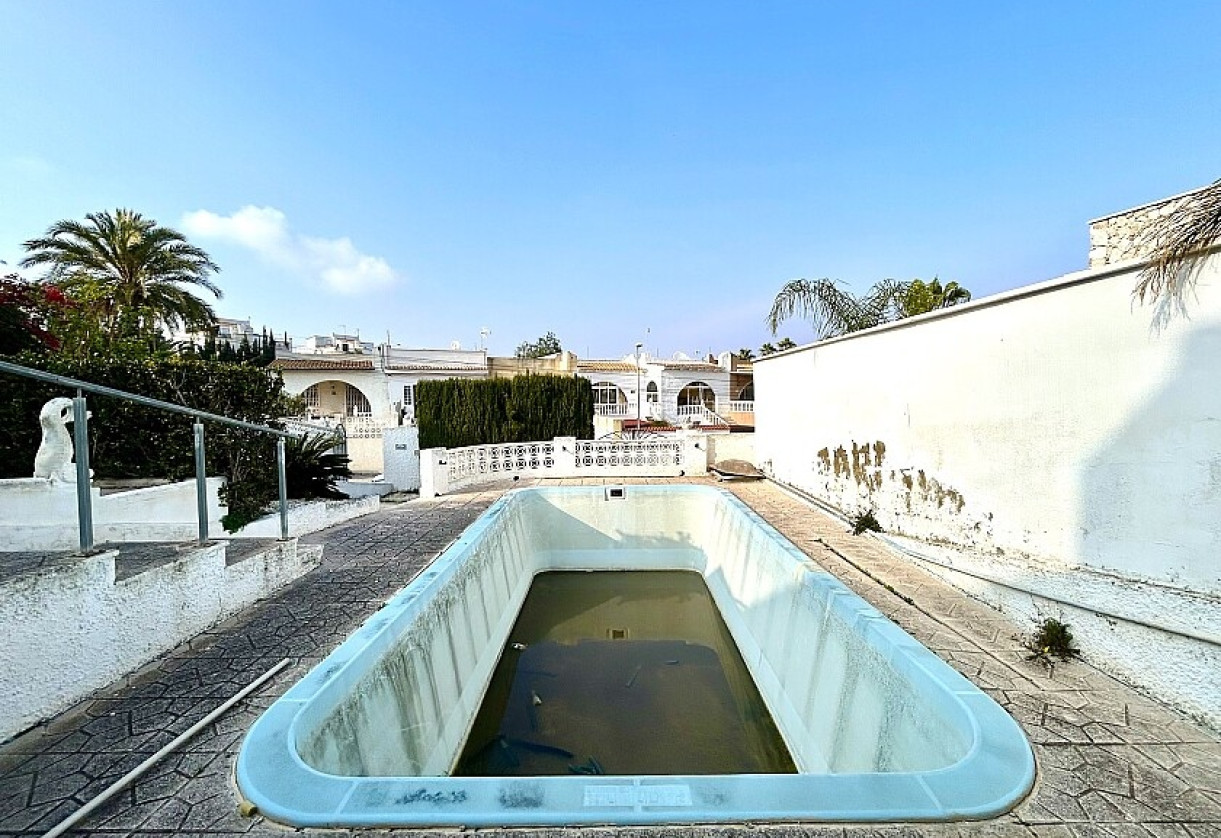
(1049, 448)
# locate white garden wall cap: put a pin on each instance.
(987, 772)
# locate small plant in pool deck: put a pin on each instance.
(863, 522)
(310, 470)
(1052, 639)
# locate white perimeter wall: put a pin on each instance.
(1051, 430)
(73, 629)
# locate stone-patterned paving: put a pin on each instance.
(1111, 762)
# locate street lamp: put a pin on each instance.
(638, 416)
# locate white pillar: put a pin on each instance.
(565, 457)
(434, 472)
(695, 453)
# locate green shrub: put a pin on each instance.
(1051, 639)
(455, 412)
(863, 522)
(128, 440)
(310, 470)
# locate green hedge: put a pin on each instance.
(455, 412)
(127, 440)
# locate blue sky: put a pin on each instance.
(600, 169)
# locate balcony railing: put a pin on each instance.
(614, 410)
(742, 407)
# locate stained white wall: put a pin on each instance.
(1054, 426)
(74, 628)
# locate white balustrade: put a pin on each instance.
(629, 456)
(443, 470)
(613, 410)
(513, 458)
(742, 407)
(700, 414)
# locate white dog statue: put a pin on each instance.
(54, 458)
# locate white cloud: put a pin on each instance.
(264, 230)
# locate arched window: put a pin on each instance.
(697, 393)
(310, 397)
(355, 403)
(747, 393)
(607, 393)
(650, 393)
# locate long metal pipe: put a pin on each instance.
(122, 783)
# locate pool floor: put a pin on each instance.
(621, 672)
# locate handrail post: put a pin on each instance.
(283, 480)
(84, 502)
(201, 482)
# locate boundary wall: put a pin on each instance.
(1054, 450)
(77, 627)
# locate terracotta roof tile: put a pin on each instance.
(320, 364)
(436, 368)
(605, 366)
(690, 365)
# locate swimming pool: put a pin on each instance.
(880, 729)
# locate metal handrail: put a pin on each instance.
(80, 433)
(101, 390)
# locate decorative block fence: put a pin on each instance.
(444, 470)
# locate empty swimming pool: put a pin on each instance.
(877, 726)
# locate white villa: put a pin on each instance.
(371, 387)
(680, 391)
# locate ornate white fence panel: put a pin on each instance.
(443, 470)
(629, 456)
(363, 427)
(514, 458)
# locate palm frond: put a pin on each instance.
(1177, 244)
(832, 310)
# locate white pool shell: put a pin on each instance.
(879, 727)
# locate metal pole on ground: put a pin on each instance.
(201, 483)
(124, 781)
(84, 503)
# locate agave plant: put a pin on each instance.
(311, 470)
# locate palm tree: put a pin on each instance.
(746, 354)
(833, 310)
(921, 297)
(1178, 242)
(138, 274)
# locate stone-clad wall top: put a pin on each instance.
(1119, 237)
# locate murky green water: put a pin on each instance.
(629, 672)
